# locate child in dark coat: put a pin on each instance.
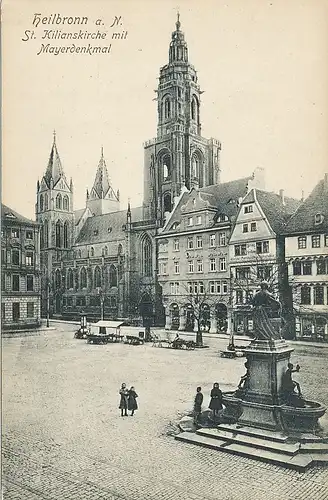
(216, 399)
(132, 401)
(198, 405)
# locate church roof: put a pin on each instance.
(54, 169)
(8, 214)
(106, 227)
(315, 204)
(78, 214)
(102, 186)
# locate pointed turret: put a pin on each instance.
(54, 169)
(102, 198)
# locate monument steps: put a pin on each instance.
(312, 448)
(253, 432)
(254, 442)
(299, 462)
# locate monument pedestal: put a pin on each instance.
(258, 423)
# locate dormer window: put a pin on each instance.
(199, 220)
(175, 225)
(190, 221)
(318, 219)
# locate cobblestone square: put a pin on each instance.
(64, 438)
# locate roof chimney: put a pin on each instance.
(282, 196)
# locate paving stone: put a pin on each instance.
(63, 437)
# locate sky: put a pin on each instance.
(261, 64)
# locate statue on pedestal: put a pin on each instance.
(266, 314)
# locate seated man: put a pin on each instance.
(288, 384)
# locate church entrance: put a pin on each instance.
(146, 310)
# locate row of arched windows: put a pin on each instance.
(83, 278)
(166, 110)
(62, 202)
(61, 234)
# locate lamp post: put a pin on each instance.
(48, 300)
(102, 300)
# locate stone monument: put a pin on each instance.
(265, 418)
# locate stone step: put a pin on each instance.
(279, 437)
(314, 448)
(299, 462)
(255, 442)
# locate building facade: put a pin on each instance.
(257, 253)
(307, 258)
(193, 256)
(20, 271)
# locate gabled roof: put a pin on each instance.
(220, 198)
(276, 208)
(101, 187)
(106, 227)
(316, 203)
(54, 169)
(8, 214)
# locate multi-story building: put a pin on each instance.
(307, 258)
(257, 253)
(20, 271)
(193, 256)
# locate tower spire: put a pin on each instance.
(178, 24)
(54, 133)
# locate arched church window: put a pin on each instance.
(66, 235)
(41, 203)
(46, 233)
(112, 276)
(166, 163)
(97, 279)
(197, 170)
(105, 251)
(83, 278)
(59, 201)
(167, 202)
(70, 279)
(119, 249)
(41, 237)
(167, 108)
(59, 230)
(147, 267)
(66, 203)
(46, 202)
(57, 279)
(195, 109)
(92, 252)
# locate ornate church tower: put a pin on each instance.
(179, 155)
(54, 211)
(102, 198)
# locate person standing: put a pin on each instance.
(124, 393)
(198, 405)
(216, 399)
(132, 401)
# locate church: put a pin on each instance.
(101, 260)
